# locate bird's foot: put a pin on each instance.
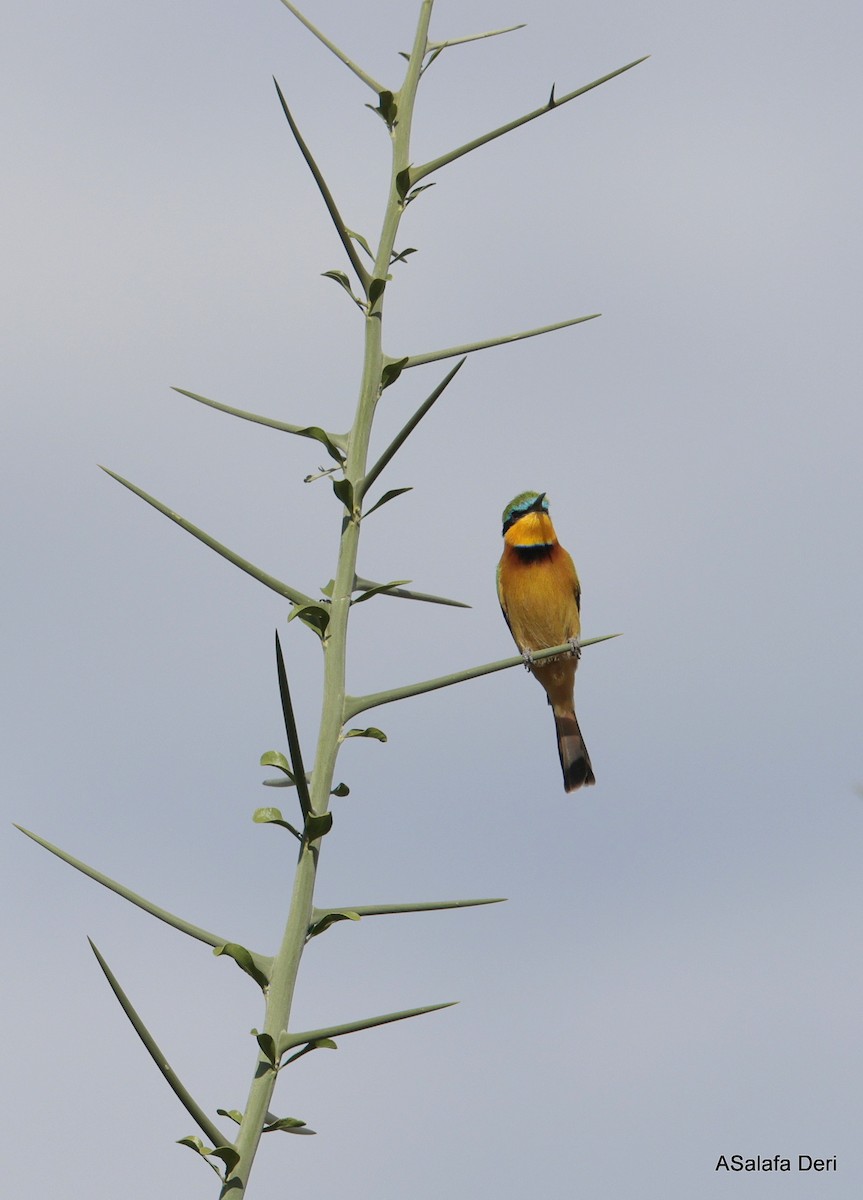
(529, 659)
(575, 646)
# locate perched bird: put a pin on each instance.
(540, 596)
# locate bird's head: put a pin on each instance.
(526, 521)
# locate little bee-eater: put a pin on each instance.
(540, 596)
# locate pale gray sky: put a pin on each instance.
(677, 974)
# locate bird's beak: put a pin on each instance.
(538, 503)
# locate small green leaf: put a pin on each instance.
(229, 1156)
(321, 435)
(377, 734)
(403, 182)
(341, 278)
(344, 489)
(233, 1113)
(273, 816)
(244, 961)
(316, 616)
(317, 825)
(387, 109)
(341, 789)
(402, 255)
(267, 1047)
(376, 290)
(411, 196)
(264, 816)
(329, 919)
(432, 55)
(361, 241)
(391, 372)
(283, 1123)
(194, 1143)
(386, 497)
(275, 758)
(378, 589)
(319, 1044)
(328, 590)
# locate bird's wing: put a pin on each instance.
(501, 600)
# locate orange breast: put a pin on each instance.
(539, 597)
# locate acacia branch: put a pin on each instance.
(333, 441)
(407, 429)
(341, 229)
(418, 360)
(418, 173)
(270, 581)
(195, 931)
(169, 1074)
(358, 704)
(473, 37)
(289, 1041)
(340, 54)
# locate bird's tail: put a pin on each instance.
(574, 759)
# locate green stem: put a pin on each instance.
(287, 960)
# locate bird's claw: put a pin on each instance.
(575, 646)
(529, 659)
